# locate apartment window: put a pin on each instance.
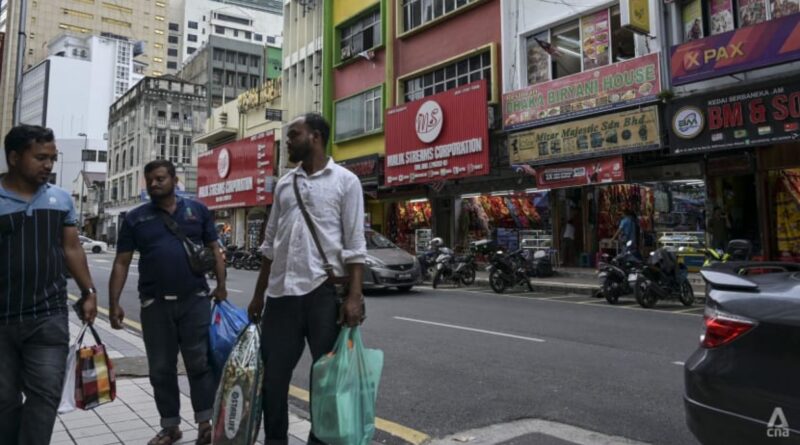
(186, 156)
(174, 141)
(419, 12)
(538, 58)
(255, 61)
(363, 34)
(88, 155)
(360, 114)
(216, 77)
(219, 30)
(133, 156)
(230, 57)
(172, 65)
(229, 79)
(253, 81)
(102, 156)
(174, 27)
(123, 73)
(191, 37)
(172, 39)
(120, 23)
(567, 41)
(161, 145)
(236, 33)
(79, 14)
(248, 35)
(172, 52)
(191, 50)
(130, 186)
(116, 163)
(242, 59)
(124, 158)
(232, 19)
(192, 25)
(219, 54)
(258, 37)
(124, 54)
(449, 76)
(702, 18)
(242, 80)
(117, 8)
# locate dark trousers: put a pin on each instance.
(34, 355)
(287, 324)
(169, 326)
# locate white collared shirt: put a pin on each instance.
(335, 201)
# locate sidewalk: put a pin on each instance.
(132, 418)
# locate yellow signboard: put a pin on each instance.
(635, 15)
(260, 97)
(627, 131)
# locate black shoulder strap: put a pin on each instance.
(176, 230)
(312, 228)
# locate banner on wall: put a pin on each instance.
(576, 174)
(765, 44)
(623, 132)
(439, 137)
(595, 29)
(620, 85)
(238, 174)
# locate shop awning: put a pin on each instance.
(216, 136)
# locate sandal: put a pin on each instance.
(167, 436)
(204, 435)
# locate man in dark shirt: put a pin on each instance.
(38, 244)
(175, 311)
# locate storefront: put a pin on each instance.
(235, 180)
(443, 137)
(748, 135)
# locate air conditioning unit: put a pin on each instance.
(223, 118)
(347, 52)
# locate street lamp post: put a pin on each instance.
(61, 160)
(82, 179)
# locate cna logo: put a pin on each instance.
(688, 122)
(429, 121)
(224, 163)
(778, 426)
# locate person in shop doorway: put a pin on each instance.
(628, 231)
(175, 306)
(720, 227)
(568, 240)
(39, 244)
(301, 303)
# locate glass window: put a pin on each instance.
(255, 61)
(538, 57)
(187, 150)
(359, 114)
(567, 41)
(192, 25)
(362, 35)
(172, 65)
(174, 141)
(242, 59)
(219, 54)
(190, 50)
(172, 52)
(419, 12)
(624, 46)
(216, 77)
(172, 39)
(258, 37)
(174, 27)
(102, 156)
(450, 76)
(161, 145)
(230, 57)
(248, 35)
(243, 80)
(219, 29)
(191, 37)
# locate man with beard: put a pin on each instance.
(38, 238)
(302, 302)
(175, 311)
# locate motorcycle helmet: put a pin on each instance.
(436, 242)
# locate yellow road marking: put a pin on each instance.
(411, 436)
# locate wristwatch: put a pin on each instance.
(86, 292)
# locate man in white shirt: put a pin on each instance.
(302, 303)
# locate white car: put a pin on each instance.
(93, 246)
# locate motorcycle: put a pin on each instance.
(737, 250)
(427, 262)
(508, 270)
(618, 275)
(662, 278)
(455, 269)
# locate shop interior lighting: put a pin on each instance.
(535, 190)
(470, 195)
(419, 200)
(568, 51)
(501, 193)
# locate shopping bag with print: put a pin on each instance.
(68, 390)
(344, 387)
(227, 322)
(95, 383)
(237, 407)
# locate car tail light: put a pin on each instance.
(723, 328)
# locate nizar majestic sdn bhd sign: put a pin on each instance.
(439, 137)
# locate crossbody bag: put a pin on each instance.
(201, 258)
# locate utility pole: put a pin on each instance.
(22, 40)
(83, 178)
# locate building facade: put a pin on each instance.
(158, 118)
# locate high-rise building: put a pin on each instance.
(273, 6)
(143, 22)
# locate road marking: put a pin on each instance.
(678, 363)
(463, 328)
(691, 309)
(108, 268)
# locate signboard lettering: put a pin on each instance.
(594, 171)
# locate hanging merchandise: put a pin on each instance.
(787, 203)
(404, 219)
(614, 200)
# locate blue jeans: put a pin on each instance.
(34, 356)
(167, 327)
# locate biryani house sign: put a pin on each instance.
(439, 137)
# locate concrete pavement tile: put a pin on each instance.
(63, 442)
(295, 441)
(188, 426)
(83, 423)
(189, 437)
(77, 414)
(81, 433)
(127, 425)
(114, 418)
(138, 397)
(143, 407)
(300, 429)
(152, 421)
(104, 439)
(142, 435)
(116, 408)
(60, 436)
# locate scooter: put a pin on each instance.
(618, 275)
(662, 278)
(455, 269)
(507, 270)
(427, 262)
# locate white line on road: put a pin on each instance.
(463, 328)
(678, 363)
(108, 268)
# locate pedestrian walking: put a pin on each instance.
(628, 230)
(720, 226)
(38, 245)
(301, 304)
(175, 307)
(569, 242)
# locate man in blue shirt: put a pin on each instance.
(628, 230)
(38, 245)
(175, 313)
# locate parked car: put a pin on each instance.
(741, 383)
(388, 265)
(93, 246)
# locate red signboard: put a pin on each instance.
(439, 137)
(238, 174)
(576, 174)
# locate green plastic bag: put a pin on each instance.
(344, 387)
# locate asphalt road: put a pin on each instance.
(461, 359)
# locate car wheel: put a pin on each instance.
(687, 293)
(497, 282)
(468, 277)
(436, 278)
(404, 288)
(96, 249)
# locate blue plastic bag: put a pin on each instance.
(344, 387)
(227, 321)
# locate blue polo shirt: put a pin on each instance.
(33, 281)
(163, 263)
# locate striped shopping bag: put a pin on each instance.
(95, 383)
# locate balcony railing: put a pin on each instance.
(161, 122)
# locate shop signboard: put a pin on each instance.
(439, 137)
(635, 15)
(765, 44)
(744, 117)
(595, 36)
(577, 174)
(622, 132)
(238, 174)
(610, 87)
